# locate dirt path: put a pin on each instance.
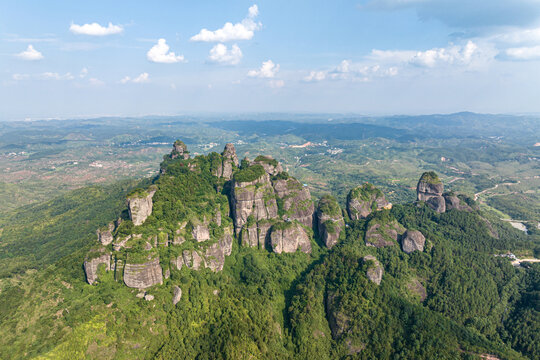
(517, 262)
(493, 188)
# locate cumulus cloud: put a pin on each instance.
(160, 53)
(94, 29)
(30, 54)
(348, 70)
(243, 30)
(221, 54)
(142, 78)
(267, 70)
(524, 53)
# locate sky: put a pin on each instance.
(62, 59)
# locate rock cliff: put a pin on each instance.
(412, 240)
(329, 220)
(91, 264)
(140, 205)
(105, 236)
(430, 189)
(142, 276)
(288, 237)
(294, 200)
(179, 150)
(363, 200)
(375, 270)
(383, 233)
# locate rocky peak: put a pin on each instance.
(270, 165)
(430, 189)
(329, 220)
(288, 237)
(179, 150)
(230, 153)
(229, 161)
(383, 233)
(295, 199)
(105, 236)
(375, 270)
(363, 200)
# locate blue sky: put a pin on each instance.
(90, 58)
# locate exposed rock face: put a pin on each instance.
(142, 276)
(454, 202)
(229, 159)
(385, 234)
(430, 189)
(192, 259)
(140, 206)
(363, 200)
(179, 150)
(375, 271)
(413, 240)
(270, 165)
(91, 266)
(289, 237)
(254, 198)
(105, 236)
(216, 253)
(200, 232)
(296, 200)
(337, 320)
(177, 295)
(329, 220)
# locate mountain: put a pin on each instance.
(217, 258)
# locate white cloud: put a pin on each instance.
(55, 76)
(243, 30)
(94, 29)
(30, 54)
(142, 78)
(95, 82)
(18, 77)
(315, 76)
(267, 70)
(524, 53)
(276, 83)
(518, 36)
(159, 53)
(220, 54)
(348, 70)
(83, 73)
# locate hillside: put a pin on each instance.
(217, 258)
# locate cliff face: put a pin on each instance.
(375, 270)
(413, 240)
(380, 234)
(289, 237)
(229, 161)
(105, 236)
(142, 276)
(179, 150)
(430, 190)
(91, 266)
(363, 200)
(295, 199)
(329, 220)
(140, 206)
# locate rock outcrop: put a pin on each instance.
(228, 163)
(140, 205)
(430, 189)
(200, 232)
(105, 236)
(337, 320)
(288, 237)
(177, 295)
(454, 202)
(380, 234)
(329, 220)
(91, 265)
(253, 198)
(142, 276)
(215, 254)
(179, 150)
(375, 270)
(270, 165)
(295, 200)
(363, 200)
(412, 240)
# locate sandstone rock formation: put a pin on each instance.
(200, 232)
(142, 276)
(375, 270)
(177, 295)
(412, 240)
(329, 220)
(229, 161)
(295, 200)
(430, 189)
(454, 202)
(337, 320)
(179, 150)
(91, 266)
(289, 237)
(270, 165)
(140, 206)
(254, 198)
(363, 200)
(380, 234)
(215, 254)
(105, 236)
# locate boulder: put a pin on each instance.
(177, 295)
(430, 189)
(140, 206)
(375, 270)
(289, 237)
(381, 234)
(200, 233)
(329, 220)
(363, 200)
(148, 297)
(105, 236)
(91, 266)
(412, 240)
(142, 276)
